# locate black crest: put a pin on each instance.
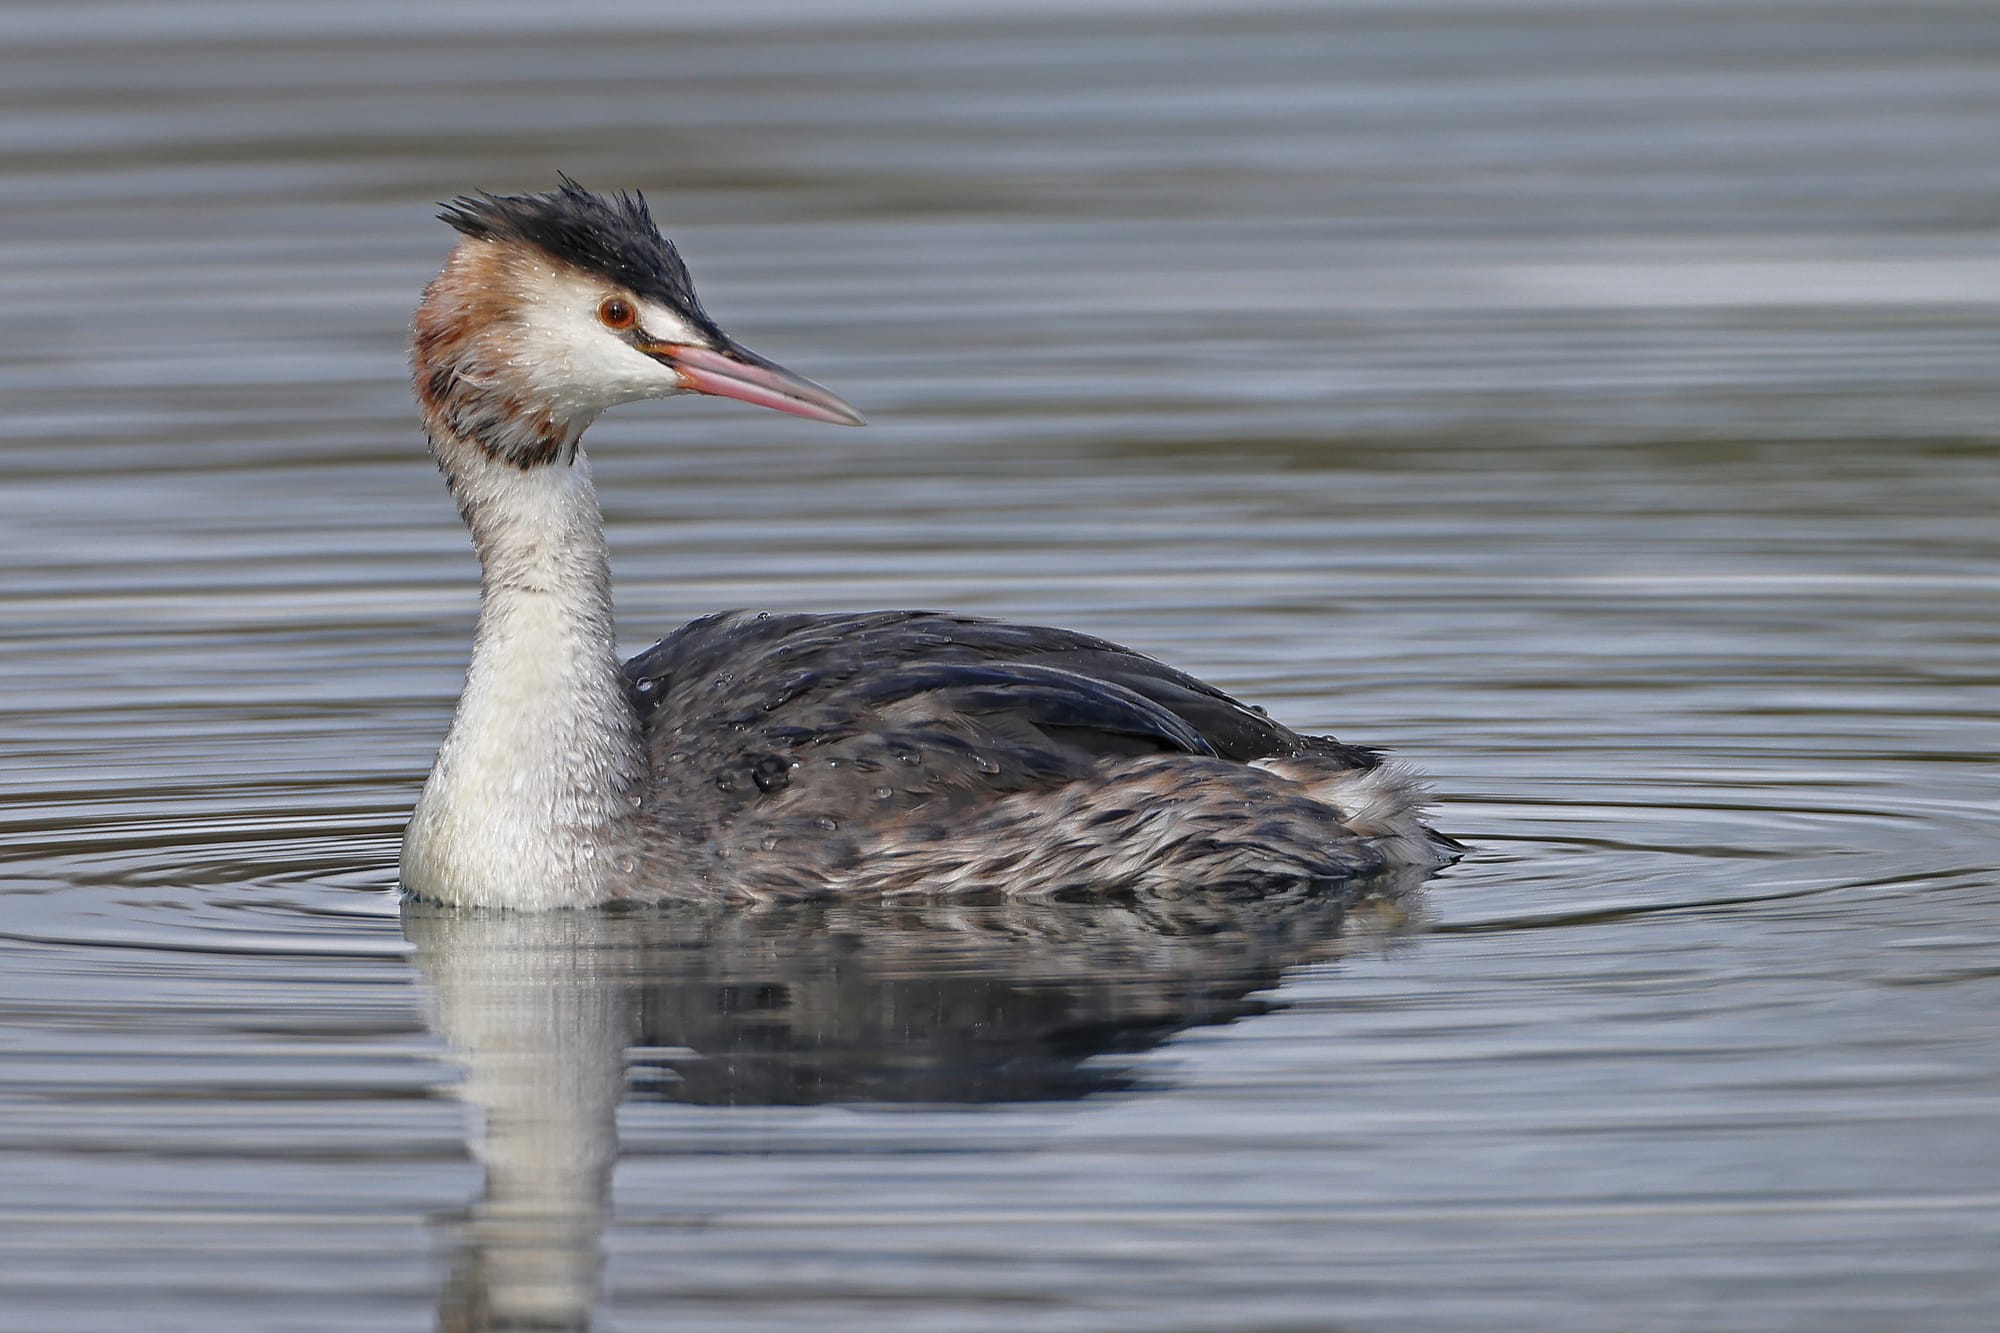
(611, 235)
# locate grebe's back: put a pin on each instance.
(917, 752)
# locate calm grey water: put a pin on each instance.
(1595, 402)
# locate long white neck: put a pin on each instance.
(531, 799)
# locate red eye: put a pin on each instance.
(617, 313)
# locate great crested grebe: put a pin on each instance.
(771, 756)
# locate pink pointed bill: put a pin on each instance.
(742, 374)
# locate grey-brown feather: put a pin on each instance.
(918, 752)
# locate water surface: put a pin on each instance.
(1592, 402)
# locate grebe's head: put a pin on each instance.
(556, 306)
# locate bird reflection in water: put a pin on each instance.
(559, 1016)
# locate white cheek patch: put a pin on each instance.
(580, 367)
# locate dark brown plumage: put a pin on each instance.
(913, 752)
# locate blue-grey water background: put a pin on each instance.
(1595, 402)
